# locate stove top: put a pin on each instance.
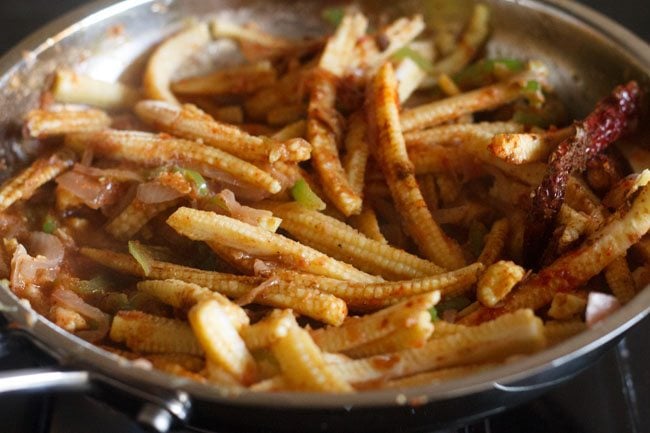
(611, 396)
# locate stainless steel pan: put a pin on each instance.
(588, 55)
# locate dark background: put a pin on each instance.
(18, 18)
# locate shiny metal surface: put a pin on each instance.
(588, 55)
(43, 380)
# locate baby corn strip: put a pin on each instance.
(437, 376)
(208, 226)
(338, 53)
(642, 248)
(398, 34)
(45, 123)
(152, 149)
(168, 56)
(575, 225)
(356, 331)
(309, 302)
(580, 197)
(293, 130)
(190, 363)
(183, 295)
(287, 91)
(495, 242)
(516, 333)
(303, 364)
(449, 87)
(485, 98)
(343, 242)
(268, 330)
(371, 296)
(469, 44)
(219, 376)
(444, 329)
(174, 369)
(457, 133)
(623, 189)
(497, 281)
(306, 301)
(413, 335)
(519, 148)
(229, 285)
(193, 124)
(70, 87)
(575, 268)
(41, 171)
(324, 136)
(322, 119)
(366, 222)
(219, 339)
(440, 159)
(226, 29)
(240, 79)
(461, 215)
(356, 157)
(409, 77)
(558, 331)
(641, 276)
(229, 114)
(286, 114)
(145, 333)
(400, 176)
(273, 384)
(565, 306)
(620, 281)
(129, 222)
(473, 139)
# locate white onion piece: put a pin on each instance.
(599, 307)
(243, 213)
(72, 301)
(47, 246)
(38, 269)
(94, 193)
(118, 174)
(155, 192)
(249, 297)
(223, 180)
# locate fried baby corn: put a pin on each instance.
(485, 98)
(193, 124)
(47, 123)
(152, 149)
(400, 175)
(33, 177)
(208, 226)
(576, 267)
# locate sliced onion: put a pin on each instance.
(47, 246)
(95, 193)
(155, 192)
(223, 180)
(599, 307)
(39, 268)
(243, 213)
(72, 301)
(249, 297)
(118, 174)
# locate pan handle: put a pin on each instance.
(157, 413)
(43, 380)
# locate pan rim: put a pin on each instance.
(73, 351)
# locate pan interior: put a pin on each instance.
(112, 42)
